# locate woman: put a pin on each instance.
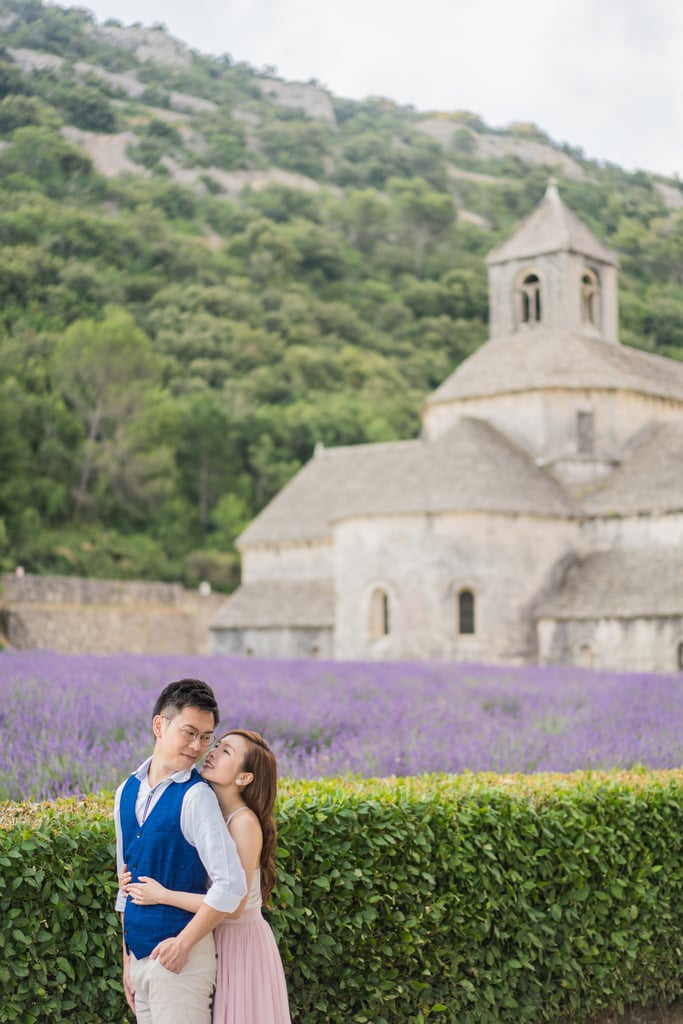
(250, 984)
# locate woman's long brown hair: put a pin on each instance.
(259, 796)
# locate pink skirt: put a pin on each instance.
(250, 981)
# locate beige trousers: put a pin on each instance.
(162, 997)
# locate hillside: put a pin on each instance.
(205, 269)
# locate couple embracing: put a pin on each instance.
(195, 858)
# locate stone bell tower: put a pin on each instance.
(555, 274)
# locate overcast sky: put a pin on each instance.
(605, 75)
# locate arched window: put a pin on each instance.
(586, 656)
(530, 295)
(379, 614)
(466, 612)
(680, 657)
(590, 299)
(584, 432)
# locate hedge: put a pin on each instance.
(472, 899)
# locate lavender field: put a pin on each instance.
(71, 725)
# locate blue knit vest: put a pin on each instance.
(158, 849)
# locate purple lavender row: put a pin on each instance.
(71, 725)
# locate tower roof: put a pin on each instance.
(538, 359)
(551, 227)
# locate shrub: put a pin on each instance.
(90, 109)
(20, 111)
(56, 893)
(475, 898)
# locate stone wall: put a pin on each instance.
(543, 421)
(619, 645)
(74, 615)
(290, 560)
(505, 560)
(289, 642)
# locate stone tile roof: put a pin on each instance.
(470, 468)
(278, 603)
(540, 358)
(650, 480)
(304, 508)
(551, 227)
(619, 584)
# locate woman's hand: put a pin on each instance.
(146, 892)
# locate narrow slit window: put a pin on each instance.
(466, 621)
(379, 614)
(584, 431)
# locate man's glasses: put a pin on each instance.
(192, 736)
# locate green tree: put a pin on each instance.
(267, 252)
(207, 453)
(25, 270)
(663, 250)
(229, 518)
(4, 544)
(367, 158)
(296, 145)
(468, 290)
(88, 108)
(15, 455)
(226, 143)
(664, 322)
(364, 217)
(105, 369)
(282, 203)
(43, 156)
(426, 215)
(12, 81)
(321, 253)
(20, 111)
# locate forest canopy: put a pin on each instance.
(252, 272)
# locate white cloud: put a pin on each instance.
(605, 75)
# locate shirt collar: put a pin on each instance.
(181, 776)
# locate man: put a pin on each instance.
(169, 826)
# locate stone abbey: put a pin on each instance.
(538, 517)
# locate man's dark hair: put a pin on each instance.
(186, 693)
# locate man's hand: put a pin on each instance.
(171, 954)
(125, 878)
(128, 984)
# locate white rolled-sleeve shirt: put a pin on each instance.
(202, 825)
